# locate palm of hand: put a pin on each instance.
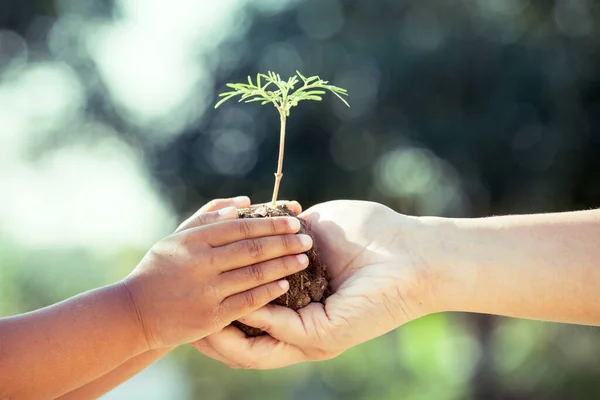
(365, 248)
(369, 268)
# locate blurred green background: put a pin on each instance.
(460, 108)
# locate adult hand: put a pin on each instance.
(378, 285)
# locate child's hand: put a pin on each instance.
(213, 270)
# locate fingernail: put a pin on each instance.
(227, 211)
(241, 201)
(283, 284)
(294, 224)
(305, 240)
(302, 258)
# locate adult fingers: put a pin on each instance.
(204, 347)
(200, 218)
(246, 278)
(309, 329)
(231, 231)
(263, 352)
(238, 305)
(252, 251)
(280, 322)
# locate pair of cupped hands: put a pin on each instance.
(377, 282)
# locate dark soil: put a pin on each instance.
(309, 285)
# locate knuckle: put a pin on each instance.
(186, 243)
(288, 243)
(159, 248)
(289, 264)
(285, 264)
(250, 299)
(273, 225)
(269, 292)
(256, 272)
(245, 228)
(202, 218)
(255, 248)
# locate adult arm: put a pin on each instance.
(389, 269)
(543, 266)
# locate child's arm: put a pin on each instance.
(189, 285)
(114, 378)
(137, 364)
(49, 351)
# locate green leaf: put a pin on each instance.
(337, 89)
(342, 99)
(285, 96)
(223, 101)
(315, 92)
(255, 99)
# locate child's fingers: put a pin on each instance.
(199, 218)
(228, 232)
(292, 205)
(207, 218)
(246, 278)
(238, 305)
(253, 251)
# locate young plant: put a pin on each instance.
(270, 88)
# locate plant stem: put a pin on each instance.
(279, 173)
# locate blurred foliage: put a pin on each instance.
(459, 108)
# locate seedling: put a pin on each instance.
(310, 284)
(270, 88)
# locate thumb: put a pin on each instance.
(285, 324)
(215, 211)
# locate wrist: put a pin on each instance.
(415, 239)
(438, 255)
(137, 323)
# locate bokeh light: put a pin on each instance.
(108, 138)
